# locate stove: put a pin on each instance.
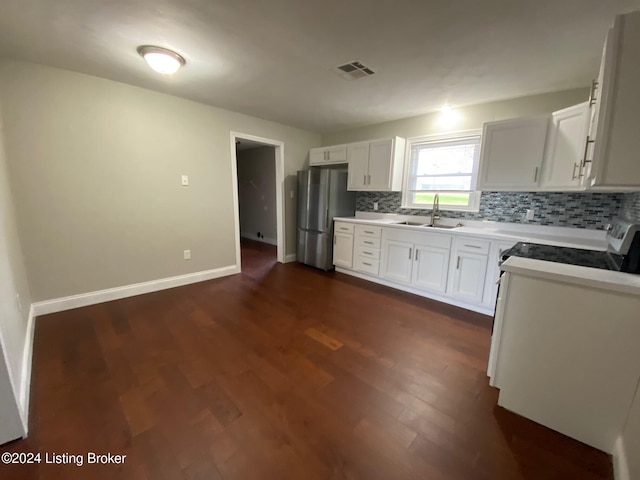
(622, 255)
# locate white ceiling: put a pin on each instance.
(273, 59)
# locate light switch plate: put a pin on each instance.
(185, 180)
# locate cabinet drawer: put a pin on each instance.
(344, 227)
(366, 265)
(364, 252)
(368, 231)
(368, 242)
(473, 245)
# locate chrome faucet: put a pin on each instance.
(435, 212)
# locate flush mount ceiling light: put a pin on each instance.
(160, 59)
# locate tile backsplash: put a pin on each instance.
(631, 206)
(580, 209)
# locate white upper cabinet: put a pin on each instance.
(328, 155)
(376, 166)
(512, 153)
(563, 167)
(358, 154)
(614, 137)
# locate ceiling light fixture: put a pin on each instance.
(446, 108)
(160, 59)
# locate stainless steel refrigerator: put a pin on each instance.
(322, 195)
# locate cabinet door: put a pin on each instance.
(380, 163)
(358, 156)
(343, 250)
(431, 265)
(565, 149)
(469, 276)
(397, 261)
(337, 154)
(317, 156)
(511, 154)
(615, 121)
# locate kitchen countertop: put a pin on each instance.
(586, 276)
(560, 236)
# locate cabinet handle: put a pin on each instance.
(535, 175)
(410, 253)
(364, 181)
(574, 175)
(417, 254)
(334, 239)
(368, 231)
(586, 149)
(592, 92)
(367, 264)
(366, 253)
(368, 179)
(368, 243)
(472, 246)
(458, 263)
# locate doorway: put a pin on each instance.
(258, 167)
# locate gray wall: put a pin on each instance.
(95, 166)
(257, 194)
(13, 280)
(470, 118)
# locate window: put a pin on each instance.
(447, 165)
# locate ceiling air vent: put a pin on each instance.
(353, 71)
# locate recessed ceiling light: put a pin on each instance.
(160, 59)
(446, 108)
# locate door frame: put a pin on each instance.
(279, 165)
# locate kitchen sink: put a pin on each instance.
(427, 225)
(443, 226)
(414, 224)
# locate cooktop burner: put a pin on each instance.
(572, 256)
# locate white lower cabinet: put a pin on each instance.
(469, 269)
(367, 249)
(418, 259)
(343, 245)
(447, 267)
(397, 260)
(431, 266)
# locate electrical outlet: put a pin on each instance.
(375, 205)
(185, 180)
(187, 254)
(530, 214)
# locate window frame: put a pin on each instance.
(474, 195)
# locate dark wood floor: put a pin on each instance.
(282, 372)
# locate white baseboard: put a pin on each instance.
(25, 381)
(269, 240)
(620, 465)
(100, 296)
(290, 258)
